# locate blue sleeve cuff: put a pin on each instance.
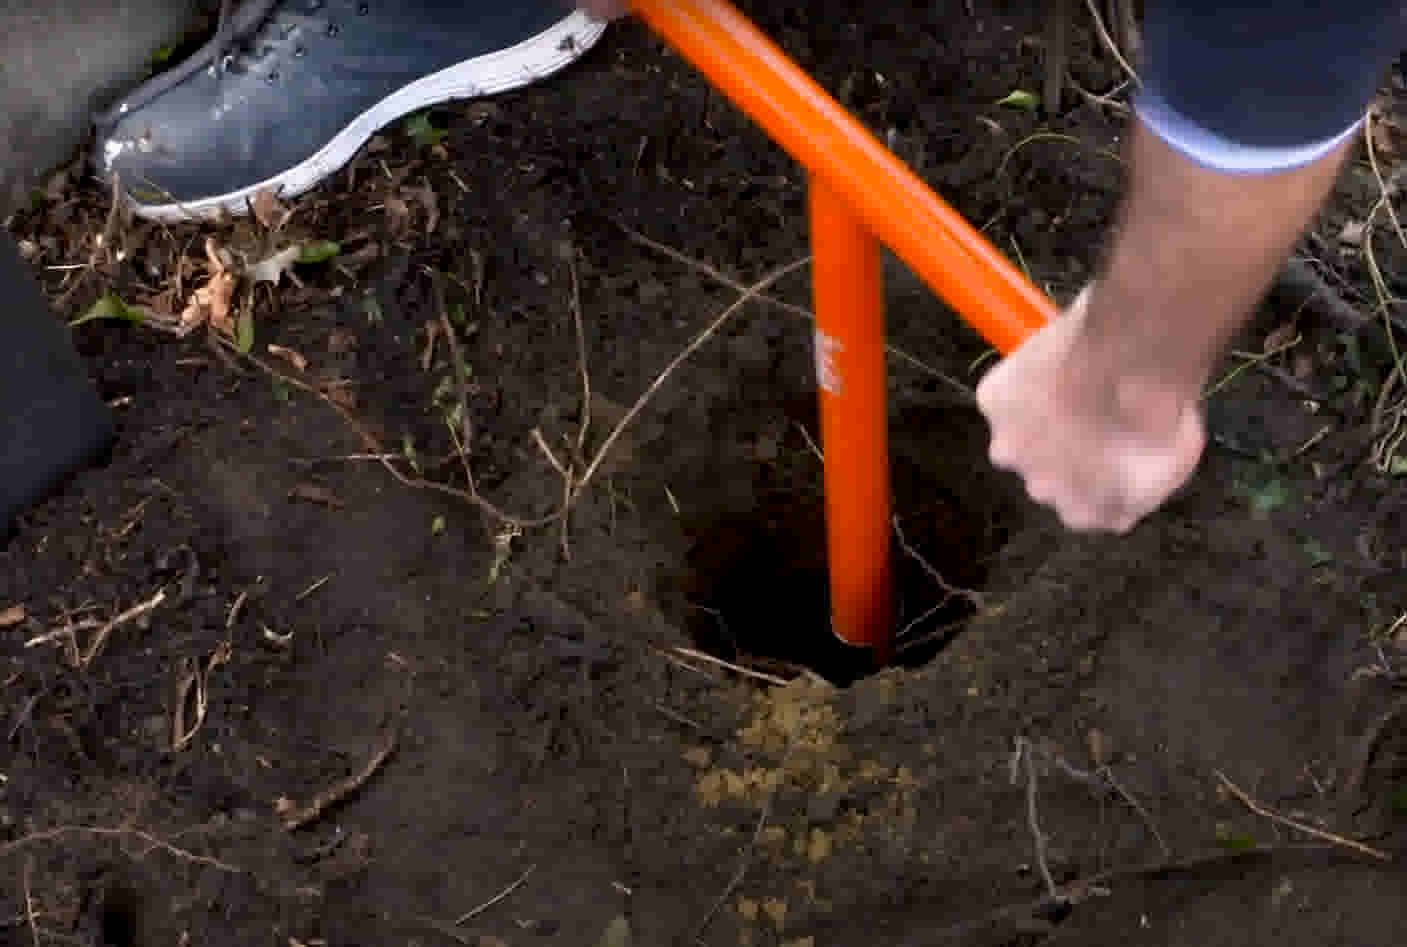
(1222, 154)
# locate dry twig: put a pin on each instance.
(1108, 40)
(29, 912)
(472, 913)
(751, 293)
(729, 666)
(1320, 834)
(1025, 757)
(1102, 780)
(63, 831)
(1367, 745)
(294, 816)
(722, 279)
(1019, 914)
(67, 634)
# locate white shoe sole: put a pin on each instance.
(502, 71)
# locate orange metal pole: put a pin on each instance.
(952, 257)
(845, 279)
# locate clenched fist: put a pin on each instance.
(1101, 446)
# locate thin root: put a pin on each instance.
(294, 816)
(1320, 834)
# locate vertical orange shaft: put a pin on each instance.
(933, 239)
(849, 349)
(860, 194)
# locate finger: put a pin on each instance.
(1002, 454)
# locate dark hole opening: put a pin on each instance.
(758, 591)
(118, 917)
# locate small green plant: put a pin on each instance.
(318, 251)
(110, 306)
(244, 333)
(1021, 99)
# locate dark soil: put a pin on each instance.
(556, 765)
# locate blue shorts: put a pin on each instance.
(1253, 87)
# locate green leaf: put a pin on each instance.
(423, 131)
(437, 526)
(244, 333)
(111, 307)
(318, 251)
(1021, 99)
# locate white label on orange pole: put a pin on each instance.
(827, 374)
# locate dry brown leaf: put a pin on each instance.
(294, 358)
(269, 210)
(12, 616)
(210, 304)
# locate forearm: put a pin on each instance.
(1195, 250)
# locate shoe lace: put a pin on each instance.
(243, 39)
(243, 36)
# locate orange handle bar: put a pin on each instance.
(954, 259)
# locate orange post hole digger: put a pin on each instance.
(861, 195)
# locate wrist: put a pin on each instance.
(1130, 342)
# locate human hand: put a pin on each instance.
(1100, 445)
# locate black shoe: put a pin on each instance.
(289, 90)
(52, 423)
